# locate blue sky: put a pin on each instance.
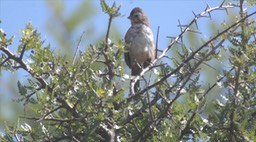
(14, 14)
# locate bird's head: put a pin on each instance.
(137, 16)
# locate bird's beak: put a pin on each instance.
(129, 17)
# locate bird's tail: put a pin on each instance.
(135, 72)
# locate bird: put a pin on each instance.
(139, 44)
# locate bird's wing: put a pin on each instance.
(127, 59)
(128, 39)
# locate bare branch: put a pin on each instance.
(190, 57)
(77, 47)
(157, 40)
(108, 31)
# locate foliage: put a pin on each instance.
(90, 100)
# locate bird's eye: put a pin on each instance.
(136, 15)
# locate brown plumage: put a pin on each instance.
(139, 43)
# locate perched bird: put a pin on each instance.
(139, 43)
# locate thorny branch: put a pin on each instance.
(189, 58)
(24, 66)
(192, 56)
(179, 37)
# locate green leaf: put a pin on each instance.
(104, 6)
(22, 89)
(112, 11)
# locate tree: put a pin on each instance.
(89, 100)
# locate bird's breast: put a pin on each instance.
(141, 44)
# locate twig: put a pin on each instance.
(77, 47)
(137, 113)
(23, 50)
(45, 115)
(108, 31)
(16, 137)
(48, 119)
(5, 60)
(157, 40)
(186, 130)
(190, 57)
(25, 67)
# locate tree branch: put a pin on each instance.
(25, 67)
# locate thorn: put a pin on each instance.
(226, 10)
(191, 50)
(179, 21)
(207, 16)
(180, 26)
(171, 37)
(194, 31)
(181, 39)
(222, 3)
(208, 6)
(196, 24)
(210, 16)
(180, 42)
(194, 14)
